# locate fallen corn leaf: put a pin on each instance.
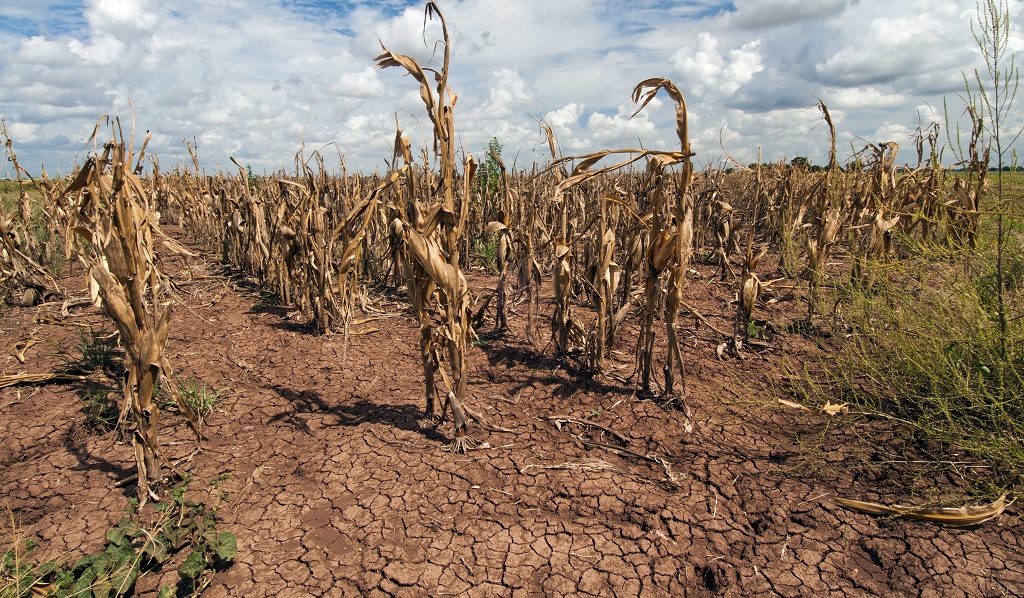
(833, 410)
(962, 516)
(793, 405)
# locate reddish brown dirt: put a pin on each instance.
(334, 489)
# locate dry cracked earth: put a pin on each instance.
(334, 488)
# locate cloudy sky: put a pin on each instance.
(258, 80)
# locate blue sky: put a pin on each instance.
(258, 80)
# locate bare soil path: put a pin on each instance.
(334, 489)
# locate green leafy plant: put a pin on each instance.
(251, 179)
(16, 574)
(100, 408)
(485, 250)
(489, 177)
(133, 548)
(922, 350)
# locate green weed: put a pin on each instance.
(94, 351)
(100, 408)
(485, 250)
(140, 543)
(925, 349)
(201, 398)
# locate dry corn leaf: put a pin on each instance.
(793, 405)
(16, 379)
(23, 345)
(751, 291)
(961, 516)
(832, 409)
(494, 226)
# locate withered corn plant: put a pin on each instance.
(501, 228)
(599, 269)
(828, 213)
(26, 241)
(590, 205)
(925, 209)
(749, 289)
(875, 210)
(114, 218)
(433, 237)
(964, 206)
(672, 239)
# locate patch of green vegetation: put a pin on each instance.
(485, 250)
(134, 547)
(94, 351)
(200, 397)
(10, 194)
(925, 349)
(100, 408)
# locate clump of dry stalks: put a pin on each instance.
(659, 213)
(23, 255)
(114, 218)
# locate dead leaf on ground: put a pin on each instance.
(832, 409)
(958, 517)
(794, 405)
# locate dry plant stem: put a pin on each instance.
(605, 249)
(828, 217)
(27, 379)
(433, 235)
(114, 216)
(677, 273)
(750, 285)
(674, 248)
(657, 257)
(562, 282)
(528, 264)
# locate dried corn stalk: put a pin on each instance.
(116, 220)
(672, 245)
(433, 237)
(965, 205)
(22, 254)
(827, 216)
(749, 284)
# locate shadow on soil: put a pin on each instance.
(566, 375)
(407, 417)
(74, 442)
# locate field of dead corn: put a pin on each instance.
(612, 374)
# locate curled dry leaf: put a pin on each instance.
(832, 409)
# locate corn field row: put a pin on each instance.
(610, 234)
